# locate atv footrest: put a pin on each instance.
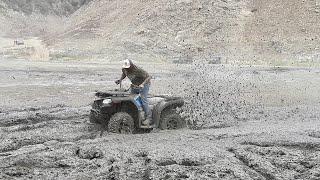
(146, 127)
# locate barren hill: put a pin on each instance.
(161, 30)
(285, 31)
(45, 7)
(21, 18)
(263, 32)
(223, 31)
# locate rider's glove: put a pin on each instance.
(118, 81)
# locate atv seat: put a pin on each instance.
(154, 101)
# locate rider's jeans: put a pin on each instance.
(144, 97)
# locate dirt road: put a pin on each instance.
(45, 132)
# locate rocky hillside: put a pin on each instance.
(232, 31)
(222, 31)
(181, 30)
(22, 18)
(45, 7)
(283, 31)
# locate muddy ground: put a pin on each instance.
(247, 123)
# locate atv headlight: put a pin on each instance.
(107, 101)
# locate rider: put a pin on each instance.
(140, 80)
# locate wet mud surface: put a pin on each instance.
(264, 125)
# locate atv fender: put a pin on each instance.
(174, 103)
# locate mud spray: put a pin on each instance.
(216, 96)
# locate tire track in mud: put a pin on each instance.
(263, 168)
(144, 157)
(32, 126)
(41, 114)
(279, 158)
(72, 133)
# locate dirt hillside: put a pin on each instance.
(45, 7)
(22, 18)
(157, 30)
(231, 31)
(283, 31)
(224, 31)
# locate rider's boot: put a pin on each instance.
(147, 122)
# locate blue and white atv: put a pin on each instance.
(121, 112)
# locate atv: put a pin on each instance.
(121, 112)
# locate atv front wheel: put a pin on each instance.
(93, 118)
(172, 120)
(121, 123)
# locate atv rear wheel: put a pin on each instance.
(121, 123)
(171, 120)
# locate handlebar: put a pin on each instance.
(133, 88)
